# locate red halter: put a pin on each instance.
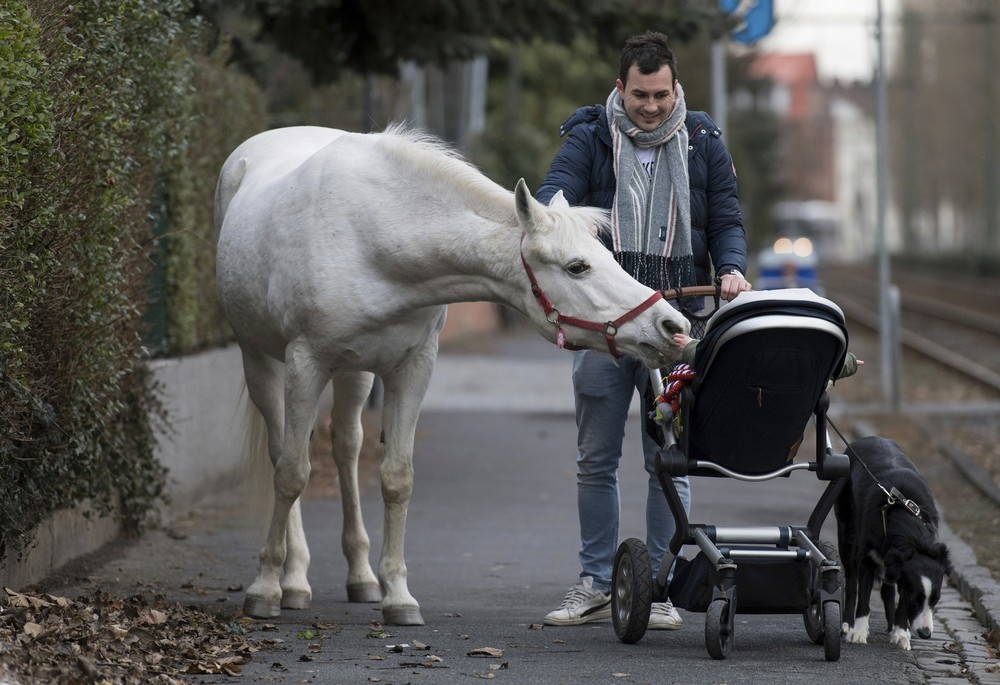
(609, 328)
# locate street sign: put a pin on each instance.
(756, 17)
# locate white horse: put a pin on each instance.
(338, 253)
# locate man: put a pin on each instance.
(670, 184)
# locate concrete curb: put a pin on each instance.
(973, 581)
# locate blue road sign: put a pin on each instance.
(756, 18)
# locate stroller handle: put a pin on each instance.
(692, 291)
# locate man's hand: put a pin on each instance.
(732, 284)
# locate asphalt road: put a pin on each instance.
(491, 547)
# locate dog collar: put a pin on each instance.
(894, 496)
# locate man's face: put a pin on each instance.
(648, 98)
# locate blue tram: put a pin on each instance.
(804, 234)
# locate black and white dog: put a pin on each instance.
(891, 539)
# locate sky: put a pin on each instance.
(840, 32)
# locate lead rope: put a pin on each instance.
(893, 495)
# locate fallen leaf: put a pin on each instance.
(535, 626)
(486, 651)
(434, 657)
(485, 676)
(16, 599)
(33, 629)
(59, 601)
(154, 617)
(620, 675)
(417, 644)
(376, 657)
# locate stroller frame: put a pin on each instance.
(737, 556)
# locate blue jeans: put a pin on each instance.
(603, 387)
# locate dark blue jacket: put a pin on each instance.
(584, 170)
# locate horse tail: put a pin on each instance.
(258, 482)
(230, 178)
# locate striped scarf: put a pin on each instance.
(651, 217)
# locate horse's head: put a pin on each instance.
(583, 291)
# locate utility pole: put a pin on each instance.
(988, 244)
(720, 103)
(888, 293)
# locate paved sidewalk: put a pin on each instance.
(491, 547)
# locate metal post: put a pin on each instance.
(887, 352)
(719, 103)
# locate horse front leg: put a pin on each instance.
(404, 391)
(350, 393)
(267, 594)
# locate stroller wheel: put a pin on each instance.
(631, 591)
(719, 624)
(831, 630)
(813, 614)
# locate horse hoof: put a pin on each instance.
(295, 599)
(402, 616)
(364, 592)
(258, 607)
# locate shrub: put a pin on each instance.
(95, 105)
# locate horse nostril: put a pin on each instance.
(671, 327)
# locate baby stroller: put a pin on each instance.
(760, 371)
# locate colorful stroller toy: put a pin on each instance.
(760, 372)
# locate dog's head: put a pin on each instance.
(918, 574)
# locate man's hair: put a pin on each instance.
(649, 52)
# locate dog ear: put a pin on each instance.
(939, 551)
(894, 562)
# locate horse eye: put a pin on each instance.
(578, 267)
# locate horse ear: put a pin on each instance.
(524, 204)
(558, 200)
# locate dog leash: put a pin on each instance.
(893, 495)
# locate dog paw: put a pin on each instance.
(859, 633)
(901, 637)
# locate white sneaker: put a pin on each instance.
(582, 604)
(663, 616)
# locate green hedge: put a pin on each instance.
(99, 108)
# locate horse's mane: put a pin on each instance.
(453, 175)
(439, 163)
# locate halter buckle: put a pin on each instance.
(610, 329)
(552, 316)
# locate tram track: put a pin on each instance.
(964, 338)
(949, 418)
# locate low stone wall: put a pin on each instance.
(203, 450)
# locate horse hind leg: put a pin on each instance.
(350, 393)
(284, 560)
(404, 392)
